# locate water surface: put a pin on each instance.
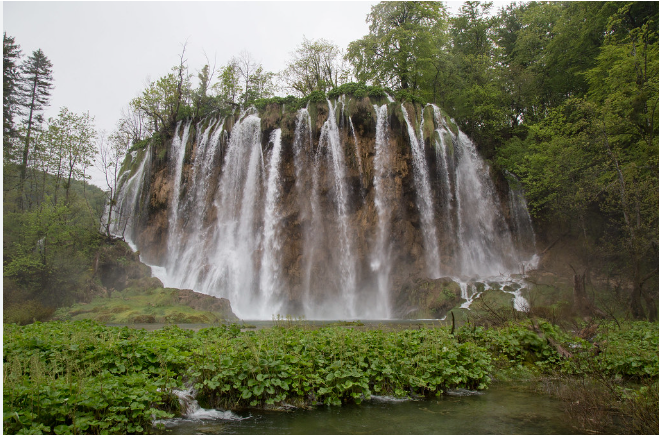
(500, 410)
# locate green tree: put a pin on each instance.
(314, 66)
(478, 100)
(625, 86)
(402, 40)
(203, 101)
(255, 82)
(11, 55)
(69, 148)
(36, 86)
(161, 101)
(228, 85)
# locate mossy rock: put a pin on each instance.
(495, 299)
(152, 305)
(427, 298)
(143, 318)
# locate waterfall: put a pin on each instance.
(485, 241)
(444, 171)
(523, 227)
(424, 200)
(178, 151)
(330, 140)
(236, 235)
(307, 206)
(188, 260)
(127, 202)
(358, 151)
(271, 245)
(385, 190)
(290, 221)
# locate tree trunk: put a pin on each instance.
(637, 292)
(651, 306)
(581, 302)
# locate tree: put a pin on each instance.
(228, 86)
(315, 66)
(132, 123)
(112, 151)
(625, 86)
(402, 40)
(69, 143)
(202, 99)
(477, 100)
(37, 83)
(11, 77)
(255, 81)
(162, 99)
(242, 80)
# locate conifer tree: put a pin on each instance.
(37, 83)
(11, 54)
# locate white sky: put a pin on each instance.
(103, 52)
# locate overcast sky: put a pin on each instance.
(104, 52)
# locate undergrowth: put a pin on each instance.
(83, 377)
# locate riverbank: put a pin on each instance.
(63, 377)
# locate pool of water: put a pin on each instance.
(502, 409)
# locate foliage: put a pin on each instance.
(66, 148)
(358, 90)
(630, 351)
(48, 248)
(332, 365)
(315, 66)
(11, 54)
(161, 99)
(403, 37)
(85, 378)
(81, 376)
(517, 344)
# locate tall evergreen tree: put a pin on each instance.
(37, 82)
(11, 54)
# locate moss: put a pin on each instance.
(139, 305)
(428, 123)
(451, 125)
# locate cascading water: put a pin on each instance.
(178, 151)
(385, 190)
(270, 270)
(122, 221)
(358, 151)
(424, 200)
(294, 222)
(484, 241)
(331, 142)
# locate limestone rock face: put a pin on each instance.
(322, 212)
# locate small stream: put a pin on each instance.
(502, 409)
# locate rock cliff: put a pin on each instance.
(343, 209)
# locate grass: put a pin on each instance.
(155, 305)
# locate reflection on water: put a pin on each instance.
(500, 410)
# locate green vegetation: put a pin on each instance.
(140, 305)
(82, 377)
(49, 247)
